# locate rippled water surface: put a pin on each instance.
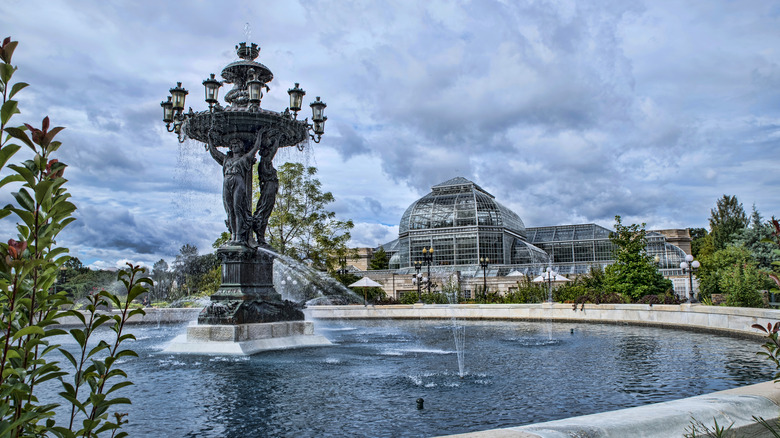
(366, 384)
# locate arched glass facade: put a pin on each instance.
(463, 223)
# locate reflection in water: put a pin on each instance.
(367, 383)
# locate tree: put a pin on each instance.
(380, 260)
(755, 237)
(221, 240)
(726, 220)
(634, 273)
(190, 269)
(698, 238)
(741, 284)
(722, 263)
(300, 225)
(163, 280)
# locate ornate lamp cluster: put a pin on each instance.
(246, 95)
(418, 278)
(689, 266)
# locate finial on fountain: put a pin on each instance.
(248, 53)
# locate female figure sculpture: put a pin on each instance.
(268, 184)
(237, 173)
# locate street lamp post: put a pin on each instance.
(690, 265)
(416, 279)
(427, 259)
(343, 270)
(483, 263)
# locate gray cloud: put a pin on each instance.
(566, 112)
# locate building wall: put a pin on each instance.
(363, 259)
(678, 237)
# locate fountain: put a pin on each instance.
(246, 314)
(458, 335)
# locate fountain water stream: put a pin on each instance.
(458, 335)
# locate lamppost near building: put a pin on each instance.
(417, 280)
(343, 263)
(428, 259)
(483, 263)
(690, 265)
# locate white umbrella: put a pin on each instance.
(515, 273)
(364, 283)
(545, 277)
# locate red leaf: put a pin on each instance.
(45, 125)
(759, 327)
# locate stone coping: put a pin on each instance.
(734, 407)
(733, 320)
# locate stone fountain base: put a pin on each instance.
(246, 339)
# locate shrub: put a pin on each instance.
(29, 265)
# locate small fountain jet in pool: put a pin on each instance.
(246, 296)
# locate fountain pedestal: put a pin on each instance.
(247, 294)
(246, 314)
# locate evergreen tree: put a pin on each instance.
(754, 238)
(163, 280)
(380, 260)
(726, 220)
(698, 238)
(634, 273)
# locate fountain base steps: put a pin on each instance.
(246, 339)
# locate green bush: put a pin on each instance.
(29, 308)
(741, 285)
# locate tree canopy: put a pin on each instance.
(726, 220)
(380, 260)
(301, 226)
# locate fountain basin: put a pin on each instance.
(517, 373)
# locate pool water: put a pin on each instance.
(366, 384)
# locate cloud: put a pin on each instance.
(567, 112)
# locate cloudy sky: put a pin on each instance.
(567, 112)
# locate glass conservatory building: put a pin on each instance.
(463, 223)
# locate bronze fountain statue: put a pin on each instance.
(247, 294)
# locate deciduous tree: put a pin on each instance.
(301, 226)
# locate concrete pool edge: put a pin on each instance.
(729, 320)
(735, 407)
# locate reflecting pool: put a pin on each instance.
(366, 384)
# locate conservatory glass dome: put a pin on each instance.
(459, 203)
(463, 224)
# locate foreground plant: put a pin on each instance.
(29, 311)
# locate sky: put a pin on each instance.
(565, 111)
